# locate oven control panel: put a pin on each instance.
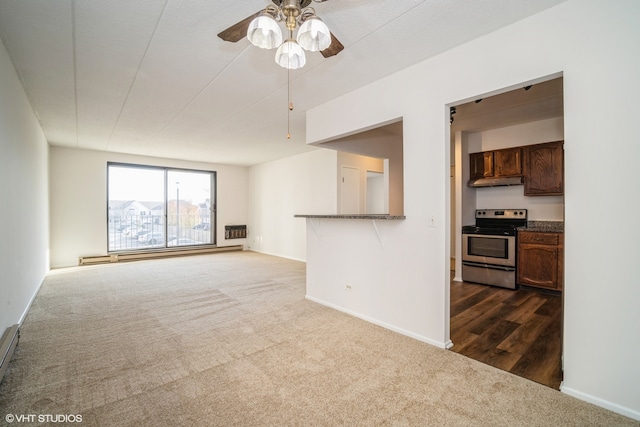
(502, 213)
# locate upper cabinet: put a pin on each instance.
(508, 162)
(544, 169)
(541, 167)
(481, 164)
(496, 164)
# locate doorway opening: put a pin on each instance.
(349, 190)
(517, 330)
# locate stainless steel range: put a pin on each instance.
(489, 247)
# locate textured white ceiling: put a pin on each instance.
(151, 77)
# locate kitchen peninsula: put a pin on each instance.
(371, 217)
(359, 264)
(355, 216)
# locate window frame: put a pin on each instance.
(165, 169)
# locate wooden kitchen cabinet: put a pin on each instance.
(481, 165)
(541, 259)
(508, 162)
(543, 169)
(496, 164)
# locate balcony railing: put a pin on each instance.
(133, 232)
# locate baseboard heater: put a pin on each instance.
(138, 256)
(8, 344)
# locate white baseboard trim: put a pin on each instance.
(380, 323)
(613, 407)
(278, 255)
(33, 297)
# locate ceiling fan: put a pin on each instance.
(263, 30)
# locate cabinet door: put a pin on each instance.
(538, 265)
(508, 162)
(544, 169)
(481, 164)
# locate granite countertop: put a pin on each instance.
(364, 216)
(544, 226)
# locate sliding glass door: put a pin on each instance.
(155, 208)
(189, 208)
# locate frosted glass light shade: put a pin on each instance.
(264, 32)
(314, 35)
(290, 55)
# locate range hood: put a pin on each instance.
(496, 182)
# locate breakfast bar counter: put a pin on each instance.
(355, 216)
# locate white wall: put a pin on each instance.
(540, 208)
(593, 45)
(78, 189)
(363, 164)
(302, 184)
(24, 255)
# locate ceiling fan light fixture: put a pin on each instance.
(264, 31)
(314, 35)
(290, 55)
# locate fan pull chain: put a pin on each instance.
(290, 103)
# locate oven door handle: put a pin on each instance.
(492, 266)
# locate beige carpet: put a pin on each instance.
(229, 340)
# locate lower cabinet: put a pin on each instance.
(541, 259)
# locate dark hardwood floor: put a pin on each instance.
(515, 330)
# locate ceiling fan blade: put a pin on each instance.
(237, 31)
(334, 48)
